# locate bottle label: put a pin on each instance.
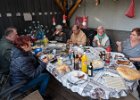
(89, 72)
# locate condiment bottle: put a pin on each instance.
(90, 70)
(108, 50)
(84, 60)
(45, 41)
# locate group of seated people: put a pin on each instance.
(78, 37)
(16, 56)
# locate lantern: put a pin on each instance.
(64, 18)
(84, 21)
(53, 21)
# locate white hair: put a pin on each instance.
(58, 27)
(101, 27)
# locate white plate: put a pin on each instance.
(99, 49)
(73, 77)
(51, 45)
(42, 57)
(115, 54)
(53, 41)
(78, 49)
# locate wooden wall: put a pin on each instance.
(31, 6)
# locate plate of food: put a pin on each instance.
(62, 69)
(98, 64)
(46, 56)
(123, 62)
(77, 77)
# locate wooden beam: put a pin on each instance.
(65, 4)
(71, 12)
(59, 4)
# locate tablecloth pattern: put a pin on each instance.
(93, 86)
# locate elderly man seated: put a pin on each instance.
(78, 37)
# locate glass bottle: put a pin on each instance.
(90, 70)
(84, 60)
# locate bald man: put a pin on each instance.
(78, 36)
(6, 44)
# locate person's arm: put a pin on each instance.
(83, 40)
(27, 67)
(7, 54)
(135, 59)
(69, 41)
(94, 43)
(107, 44)
(64, 38)
(119, 44)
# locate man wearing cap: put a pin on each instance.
(59, 35)
(6, 43)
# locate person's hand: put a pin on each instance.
(119, 43)
(69, 41)
(57, 32)
(38, 54)
(45, 59)
(98, 44)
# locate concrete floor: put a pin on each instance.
(58, 92)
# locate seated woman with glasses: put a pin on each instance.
(131, 48)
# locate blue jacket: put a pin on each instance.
(24, 66)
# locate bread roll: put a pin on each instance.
(128, 73)
(63, 69)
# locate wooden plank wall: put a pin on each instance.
(22, 6)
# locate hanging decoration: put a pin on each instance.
(131, 10)
(78, 21)
(97, 2)
(84, 23)
(64, 18)
(53, 21)
(84, 18)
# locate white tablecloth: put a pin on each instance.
(94, 86)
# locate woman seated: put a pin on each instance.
(131, 48)
(59, 35)
(101, 39)
(24, 66)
